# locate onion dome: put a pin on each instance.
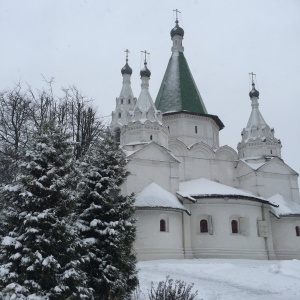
(126, 69)
(177, 30)
(145, 72)
(253, 92)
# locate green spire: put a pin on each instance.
(178, 90)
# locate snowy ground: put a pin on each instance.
(220, 279)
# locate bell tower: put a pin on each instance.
(124, 103)
(258, 138)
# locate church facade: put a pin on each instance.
(194, 197)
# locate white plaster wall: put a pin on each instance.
(151, 243)
(144, 133)
(257, 148)
(271, 183)
(182, 126)
(144, 172)
(286, 243)
(248, 182)
(266, 183)
(222, 243)
(202, 161)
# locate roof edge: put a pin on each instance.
(214, 117)
(232, 196)
(161, 208)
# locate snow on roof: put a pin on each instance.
(286, 206)
(205, 187)
(154, 195)
(129, 152)
(256, 162)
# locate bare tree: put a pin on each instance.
(84, 124)
(14, 129)
(23, 112)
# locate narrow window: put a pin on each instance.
(271, 152)
(119, 115)
(169, 128)
(203, 226)
(196, 129)
(128, 101)
(234, 226)
(151, 137)
(162, 225)
(297, 231)
(121, 101)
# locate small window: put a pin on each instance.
(234, 226)
(203, 226)
(120, 115)
(297, 231)
(151, 137)
(128, 101)
(162, 225)
(196, 129)
(169, 128)
(271, 152)
(121, 101)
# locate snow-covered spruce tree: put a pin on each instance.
(106, 222)
(38, 255)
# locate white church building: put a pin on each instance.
(194, 197)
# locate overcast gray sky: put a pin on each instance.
(82, 42)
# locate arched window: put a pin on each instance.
(234, 226)
(297, 231)
(119, 115)
(162, 225)
(203, 226)
(117, 135)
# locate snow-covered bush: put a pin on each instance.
(171, 290)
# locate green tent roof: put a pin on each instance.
(178, 90)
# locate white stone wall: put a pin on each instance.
(147, 132)
(191, 129)
(273, 178)
(222, 243)
(151, 243)
(286, 243)
(152, 165)
(200, 160)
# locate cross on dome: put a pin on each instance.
(126, 69)
(127, 51)
(177, 30)
(145, 59)
(145, 72)
(253, 92)
(177, 11)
